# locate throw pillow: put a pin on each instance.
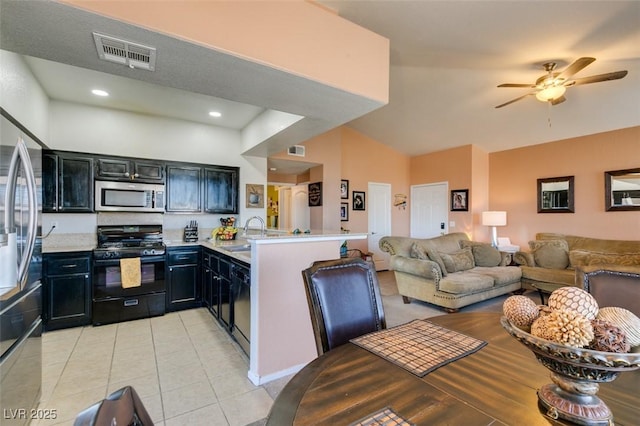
(460, 260)
(484, 254)
(550, 254)
(590, 258)
(419, 251)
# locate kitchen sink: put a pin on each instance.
(240, 247)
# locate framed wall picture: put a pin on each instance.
(344, 189)
(315, 194)
(344, 212)
(255, 196)
(460, 200)
(358, 200)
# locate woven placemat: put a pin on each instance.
(386, 417)
(419, 346)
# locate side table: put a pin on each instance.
(511, 249)
(544, 288)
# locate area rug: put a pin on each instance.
(419, 346)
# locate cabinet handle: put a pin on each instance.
(70, 266)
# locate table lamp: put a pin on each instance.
(494, 219)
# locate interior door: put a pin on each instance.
(429, 210)
(300, 212)
(379, 208)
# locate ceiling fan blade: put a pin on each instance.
(515, 100)
(516, 85)
(559, 100)
(616, 75)
(576, 66)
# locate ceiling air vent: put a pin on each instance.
(124, 52)
(297, 150)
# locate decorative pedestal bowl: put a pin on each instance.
(576, 374)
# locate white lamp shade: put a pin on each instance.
(494, 218)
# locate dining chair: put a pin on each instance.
(611, 285)
(344, 301)
(122, 407)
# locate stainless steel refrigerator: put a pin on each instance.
(20, 272)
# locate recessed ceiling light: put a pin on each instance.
(215, 114)
(99, 92)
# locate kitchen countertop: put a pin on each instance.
(59, 243)
(270, 237)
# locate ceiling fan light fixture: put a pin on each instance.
(550, 93)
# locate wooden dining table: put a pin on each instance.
(497, 385)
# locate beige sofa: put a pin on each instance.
(552, 259)
(450, 271)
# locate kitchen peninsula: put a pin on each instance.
(282, 339)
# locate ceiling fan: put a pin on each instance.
(552, 86)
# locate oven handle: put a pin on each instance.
(116, 262)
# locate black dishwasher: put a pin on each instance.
(241, 300)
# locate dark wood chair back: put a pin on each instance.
(344, 301)
(612, 285)
(122, 407)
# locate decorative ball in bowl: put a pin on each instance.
(576, 374)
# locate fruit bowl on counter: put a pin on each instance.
(226, 230)
(224, 233)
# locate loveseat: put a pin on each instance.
(552, 259)
(449, 271)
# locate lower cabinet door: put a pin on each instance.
(182, 287)
(68, 301)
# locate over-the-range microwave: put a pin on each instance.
(113, 196)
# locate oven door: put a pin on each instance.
(107, 279)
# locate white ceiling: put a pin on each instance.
(447, 57)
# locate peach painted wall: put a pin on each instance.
(283, 341)
(324, 149)
(455, 166)
(479, 194)
(513, 187)
(365, 160)
(281, 34)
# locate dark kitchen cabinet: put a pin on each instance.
(67, 182)
(125, 169)
(67, 290)
(221, 189)
(210, 281)
(183, 189)
(241, 301)
(217, 284)
(183, 278)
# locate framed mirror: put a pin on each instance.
(622, 190)
(555, 195)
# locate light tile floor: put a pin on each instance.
(183, 365)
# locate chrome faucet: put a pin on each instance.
(246, 225)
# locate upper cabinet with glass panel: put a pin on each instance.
(622, 190)
(555, 195)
